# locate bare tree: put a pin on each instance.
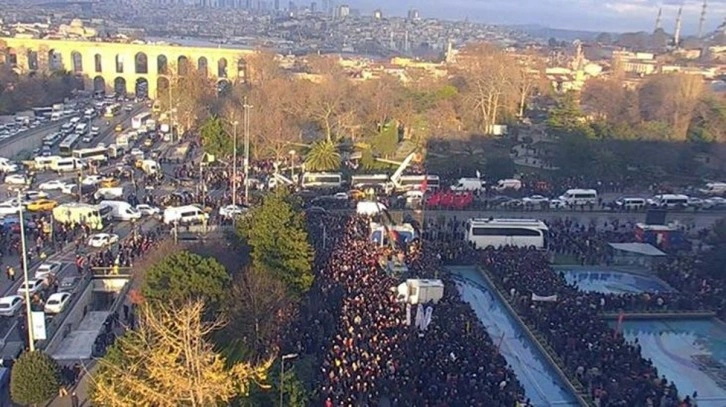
(258, 307)
(489, 83)
(168, 362)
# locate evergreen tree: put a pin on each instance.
(275, 232)
(35, 378)
(185, 276)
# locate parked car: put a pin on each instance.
(57, 302)
(10, 305)
(51, 268)
(68, 284)
(33, 286)
(102, 239)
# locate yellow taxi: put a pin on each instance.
(42, 205)
(119, 127)
(109, 182)
(356, 194)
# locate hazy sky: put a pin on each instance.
(591, 15)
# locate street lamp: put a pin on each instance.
(234, 164)
(247, 150)
(292, 165)
(24, 259)
(282, 373)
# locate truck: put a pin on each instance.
(150, 167)
(420, 291)
(79, 213)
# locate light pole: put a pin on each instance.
(24, 260)
(292, 166)
(247, 150)
(282, 374)
(234, 164)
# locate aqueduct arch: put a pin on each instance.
(104, 65)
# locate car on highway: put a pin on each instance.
(102, 239)
(148, 210)
(91, 180)
(52, 185)
(232, 210)
(57, 302)
(68, 284)
(715, 202)
(16, 179)
(10, 305)
(45, 270)
(42, 205)
(109, 182)
(535, 200)
(33, 195)
(119, 128)
(33, 286)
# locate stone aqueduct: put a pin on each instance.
(123, 66)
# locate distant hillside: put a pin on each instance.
(558, 33)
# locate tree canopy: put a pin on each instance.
(168, 362)
(184, 276)
(215, 139)
(35, 378)
(275, 232)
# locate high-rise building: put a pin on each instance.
(313, 7)
(277, 5)
(248, 4)
(413, 15)
(291, 6)
(377, 14)
(343, 11)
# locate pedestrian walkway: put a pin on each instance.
(81, 389)
(78, 345)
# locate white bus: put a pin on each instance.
(369, 180)
(68, 143)
(139, 120)
(322, 180)
(81, 128)
(415, 182)
(497, 233)
(93, 154)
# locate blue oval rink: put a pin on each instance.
(609, 281)
(542, 385)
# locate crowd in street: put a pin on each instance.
(370, 351)
(612, 369)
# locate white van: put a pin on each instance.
(714, 188)
(669, 201)
(630, 203)
(503, 184)
(577, 197)
(7, 166)
(467, 184)
(121, 210)
(185, 214)
(69, 164)
(369, 208)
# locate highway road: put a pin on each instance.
(700, 219)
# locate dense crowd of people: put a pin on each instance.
(613, 370)
(367, 348)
